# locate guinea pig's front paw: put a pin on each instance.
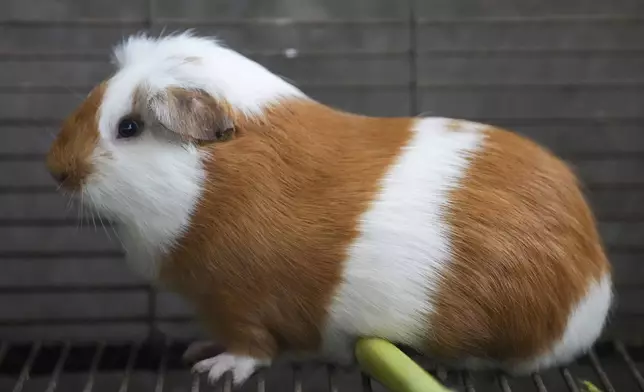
(241, 366)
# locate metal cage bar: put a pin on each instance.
(27, 363)
(632, 367)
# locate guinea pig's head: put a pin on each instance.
(134, 148)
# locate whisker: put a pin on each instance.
(424, 114)
(51, 133)
(92, 214)
(80, 220)
(107, 232)
(98, 216)
(76, 94)
(60, 185)
(69, 205)
(78, 214)
(70, 202)
(116, 234)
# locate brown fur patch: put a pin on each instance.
(265, 249)
(525, 249)
(69, 156)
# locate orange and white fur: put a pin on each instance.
(297, 228)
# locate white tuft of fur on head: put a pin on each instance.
(150, 184)
(189, 61)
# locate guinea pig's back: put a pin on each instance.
(478, 245)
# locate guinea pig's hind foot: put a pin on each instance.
(241, 366)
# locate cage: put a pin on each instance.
(567, 74)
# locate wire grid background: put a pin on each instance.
(568, 74)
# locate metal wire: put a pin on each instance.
(160, 359)
(468, 381)
(94, 367)
(26, 369)
(131, 360)
(297, 379)
(59, 367)
(441, 374)
(228, 382)
(162, 367)
(366, 383)
(261, 381)
(621, 350)
(603, 377)
(333, 384)
(504, 384)
(570, 381)
(538, 382)
(195, 383)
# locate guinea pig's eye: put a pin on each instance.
(129, 127)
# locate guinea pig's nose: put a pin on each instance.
(57, 169)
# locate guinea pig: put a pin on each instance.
(295, 228)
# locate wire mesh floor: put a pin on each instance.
(141, 367)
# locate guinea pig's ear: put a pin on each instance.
(192, 114)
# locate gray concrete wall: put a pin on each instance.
(568, 74)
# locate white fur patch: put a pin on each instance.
(584, 327)
(395, 264)
(150, 188)
(188, 61)
(149, 184)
